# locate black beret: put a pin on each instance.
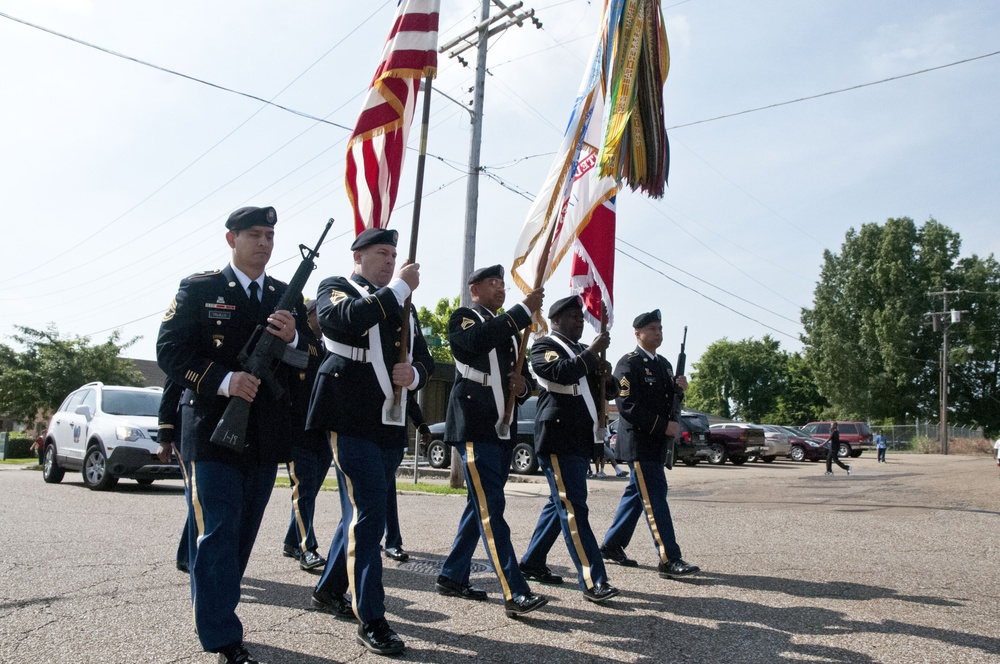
(494, 271)
(252, 216)
(642, 320)
(370, 236)
(559, 306)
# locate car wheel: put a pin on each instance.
(738, 459)
(752, 457)
(437, 454)
(856, 453)
(769, 458)
(96, 475)
(798, 454)
(717, 455)
(145, 482)
(845, 450)
(691, 462)
(524, 461)
(51, 472)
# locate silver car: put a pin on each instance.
(776, 443)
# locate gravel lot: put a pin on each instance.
(897, 563)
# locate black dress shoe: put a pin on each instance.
(311, 560)
(522, 604)
(377, 636)
(332, 603)
(598, 594)
(183, 566)
(397, 553)
(617, 555)
(677, 568)
(235, 654)
(541, 574)
(291, 552)
(446, 586)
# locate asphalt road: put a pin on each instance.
(897, 563)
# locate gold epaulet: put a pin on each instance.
(206, 273)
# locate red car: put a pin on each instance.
(804, 447)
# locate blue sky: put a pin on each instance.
(117, 177)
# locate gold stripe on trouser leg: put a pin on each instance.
(574, 530)
(641, 481)
(484, 518)
(295, 505)
(199, 520)
(351, 541)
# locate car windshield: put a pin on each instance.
(695, 422)
(131, 402)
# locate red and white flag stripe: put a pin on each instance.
(377, 147)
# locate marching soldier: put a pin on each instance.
(485, 348)
(645, 400)
(210, 321)
(565, 426)
(362, 317)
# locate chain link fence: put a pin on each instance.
(903, 436)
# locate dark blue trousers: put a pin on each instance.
(567, 510)
(306, 471)
(393, 536)
(184, 546)
(226, 504)
(646, 493)
(487, 466)
(354, 563)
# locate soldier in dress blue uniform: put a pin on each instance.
(645, 401)
(485, 348)
(362, 319)
(311, 457)
(565, 425)
(211, 319)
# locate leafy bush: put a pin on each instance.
(19, 447)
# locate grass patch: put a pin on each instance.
(401, 485)
(20, 462)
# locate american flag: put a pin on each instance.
(377, 146)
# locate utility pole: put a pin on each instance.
(944, 319)
(460, 44)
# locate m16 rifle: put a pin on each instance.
(268, 351)
(675, 412)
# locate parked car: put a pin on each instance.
(108, 432)
(855, 437)
(805, 447)
(524, 461)
(692, 445)
(735, 441)
(776, 443)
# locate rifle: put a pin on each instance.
(268, 352)
(675, 410)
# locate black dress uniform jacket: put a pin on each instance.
(347, 397)
(168, 420)
(472, 411)
(200, 339)
(574, 430)
(645, 403)
(300, 386)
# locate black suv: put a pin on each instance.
(691, 446)
(524, 461)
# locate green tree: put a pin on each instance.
(437, 321)
(36, 379)
(799, 400)
(867, 341)
(741, 380)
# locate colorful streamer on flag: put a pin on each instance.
(634, 147)
(377, 146)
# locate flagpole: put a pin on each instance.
(396, 414)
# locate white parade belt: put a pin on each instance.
(350, 352)
(476, 376)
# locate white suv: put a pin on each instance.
(108, 432)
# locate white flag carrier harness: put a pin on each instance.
(578, 389)
(492, 379)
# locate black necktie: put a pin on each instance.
(254, 300)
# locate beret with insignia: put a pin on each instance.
(565, 304)
(492, 272)
(251, 216)
(642, 320)
(370, 236)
